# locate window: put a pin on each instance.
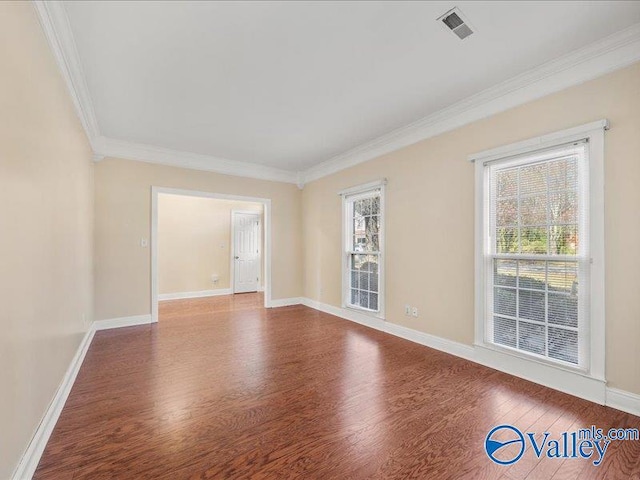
(538, 224)
(362, 259)
(538, 267)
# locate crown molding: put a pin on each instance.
(109, 147)
(599, 58)
(612, 53)
(55, 25)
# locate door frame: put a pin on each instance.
(266, 211)
(232, 250)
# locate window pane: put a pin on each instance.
(546, 292)
(563, 174)
(359, 298)
(372, 243)
(362, 207)
(367, 206)
(355, 296)
(505, 273)
(531, 337)
(532, 274)
(375, 205)
(563, 207)
(533, 210)
(563, 309)
(364, 280)
(372, 238)
(371, 267)
(546, 194)
(563, 345)
(366, 225)
(504, 301)
(358, 225)
(373, 301)
(355, 278)
(563, 240)
(531, 305)
(507, 183)
(533, 179)
(357, 261)
(507, 240)
(507, 212)
(504, 331)
(364, 299)
(563, 277)
(533, 240)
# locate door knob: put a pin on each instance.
(236, 257)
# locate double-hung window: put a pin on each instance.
(363, 248)
(536, 254)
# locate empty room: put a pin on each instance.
(320, 240)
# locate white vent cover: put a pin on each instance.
(455, 21)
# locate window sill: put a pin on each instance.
(574, 381)
(537, 359)
(364, 311)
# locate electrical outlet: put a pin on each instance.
(407, 310)
(414, 311)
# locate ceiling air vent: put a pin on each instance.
(455, 21)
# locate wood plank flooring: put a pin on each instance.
(223, 388)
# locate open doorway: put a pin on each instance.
(208, 247)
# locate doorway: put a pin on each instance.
(190, 259)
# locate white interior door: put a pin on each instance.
(246, 252)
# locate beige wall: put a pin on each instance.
(430, 217)
(123, 217)
(46, 195)
(47, 209)
(194, 242)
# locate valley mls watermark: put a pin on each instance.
(506, 444)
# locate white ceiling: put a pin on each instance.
(292, 84)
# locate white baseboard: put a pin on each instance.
(625, 401)
(122, 322)
(439, 343)
(31, 457)
(284, 302)
(198, 294)
(566, 381)
(444, 345)
(352, 315)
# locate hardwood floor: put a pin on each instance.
(223, 388)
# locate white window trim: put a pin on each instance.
(345, 194)
(594, 133)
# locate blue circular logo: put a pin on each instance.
(508, 435)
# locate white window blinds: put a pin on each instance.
(536, 253)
